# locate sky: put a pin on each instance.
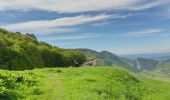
(119, 26)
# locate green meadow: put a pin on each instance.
(84, 83)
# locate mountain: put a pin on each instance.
(155, 56)
(156, 64)
(164, 67)
(105, 58)
(110, 57)
(146, 64)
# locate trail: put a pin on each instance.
(57, 91)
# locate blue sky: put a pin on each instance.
(119, 26)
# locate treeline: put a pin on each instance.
(23, 51)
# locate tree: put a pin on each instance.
(7, 58)
(31, 35)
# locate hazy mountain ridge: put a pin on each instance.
(147, 64)
(105, 58)
(155, 56)
(164, 67)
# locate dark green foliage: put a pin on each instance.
(20, 52)
(31, 35)
(72, 56)
(11, 84)
(8, 58)
(3, 31)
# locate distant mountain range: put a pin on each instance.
(143, 62)
(155, 56)
(146, 64)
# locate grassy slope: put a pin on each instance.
(97, 83)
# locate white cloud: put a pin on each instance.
(74, 37)
(100, 24)
(143, 32)
(149, 5)
(60, 24)
(70, 6)
(47, 31)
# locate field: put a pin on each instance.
(86, 83)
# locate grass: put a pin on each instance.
(87, 83)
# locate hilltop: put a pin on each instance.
(87, 83)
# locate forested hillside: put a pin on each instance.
(23, 51)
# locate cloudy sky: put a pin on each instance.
(119, 26)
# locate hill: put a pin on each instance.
(105, 58)
(87, 83)
(23, 51)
